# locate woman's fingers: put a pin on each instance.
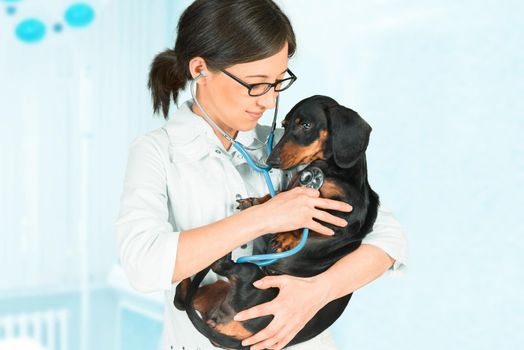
(324, 216)
(329, 218)
(306, 190)
(301, 207)
(327, 203)
(317, 227)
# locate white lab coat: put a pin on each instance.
(180, 177)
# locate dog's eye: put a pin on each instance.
(306, 125)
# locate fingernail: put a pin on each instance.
(350, 207)
(331, 232)
(257, 283)
(237, 317)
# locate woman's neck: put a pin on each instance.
(231, 132)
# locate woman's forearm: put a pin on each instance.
(200, 247)
(355, 270)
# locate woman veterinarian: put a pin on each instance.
(178, 207)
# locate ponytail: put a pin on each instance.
(166, 78)
(223, 33)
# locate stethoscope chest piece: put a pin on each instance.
(312, 177)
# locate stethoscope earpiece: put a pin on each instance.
(200, 75)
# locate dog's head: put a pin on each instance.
(319, 128)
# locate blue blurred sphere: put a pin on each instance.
(79, 15)
(58, 27)
(11, 10)
(30, 30)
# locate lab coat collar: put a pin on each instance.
(191, 137)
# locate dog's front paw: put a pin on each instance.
(245, 203)
(212, 323)
(285, 241)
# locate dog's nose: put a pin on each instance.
(273, 160)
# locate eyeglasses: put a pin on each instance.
(260, 89)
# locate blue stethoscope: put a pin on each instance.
(313, 177)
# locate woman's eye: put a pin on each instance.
(306, 125)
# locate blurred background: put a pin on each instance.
(441, 83)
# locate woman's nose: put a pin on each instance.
(268, 100)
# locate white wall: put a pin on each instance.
(70, 105)
(441, 84)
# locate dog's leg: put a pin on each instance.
(245, 203)
(180, 294)
(284, 241)
(215, 301)
(240, 295)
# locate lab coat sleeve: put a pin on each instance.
(388, 235)
(146, 242)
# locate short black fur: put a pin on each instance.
(344, 164)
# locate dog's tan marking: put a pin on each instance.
(286, 240)
(209, 295)
(330, 189)
(245, 203)
(293, 154)
(234, 329)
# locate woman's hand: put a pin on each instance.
(296, 208)
(298, 300)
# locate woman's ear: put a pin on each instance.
(197, 66)
(349, 135)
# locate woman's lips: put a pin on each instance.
(255, 116)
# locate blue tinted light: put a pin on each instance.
(10, 10)
(30, 30)
(57, 27)
(79, 15)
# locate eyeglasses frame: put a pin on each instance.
(250, 87)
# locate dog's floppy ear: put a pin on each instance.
(349, 135)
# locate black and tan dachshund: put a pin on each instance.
(318, 132)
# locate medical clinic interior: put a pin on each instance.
(440, 83)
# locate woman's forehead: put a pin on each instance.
(272, 66)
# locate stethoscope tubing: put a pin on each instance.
(259, 259)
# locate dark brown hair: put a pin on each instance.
(223, 33)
